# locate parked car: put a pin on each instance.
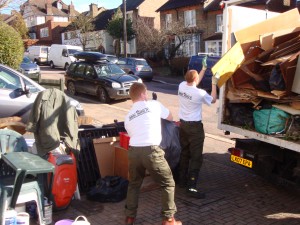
(29, 68)
(111, 58)
(93, 74)
(195, 63)
(38, 54)
(18, 92)
(62, 55)
(136, 66)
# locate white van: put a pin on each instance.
(62, 55)
(38, 54)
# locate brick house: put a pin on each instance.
(99, 39)
(204, 20)
(145, 9)
(46, 19)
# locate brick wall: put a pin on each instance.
(148, 8)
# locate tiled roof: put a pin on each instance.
(100, 22)
(132, 4)
(39, 8)
(103, 18)
(175, 4)
(273, 5)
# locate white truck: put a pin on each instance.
(62, 55)
(255, 43)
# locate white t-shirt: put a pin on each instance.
(191, 99)
(143, 123)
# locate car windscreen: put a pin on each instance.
(44, 50)
(108, 70)
(73, 51)
(141, 62)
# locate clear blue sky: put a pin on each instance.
(80, 5)
(83, 5)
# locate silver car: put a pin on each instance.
(18, 92)
(136, 66)
(29, 68)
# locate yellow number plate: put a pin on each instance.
(242, 161)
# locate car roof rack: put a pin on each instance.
(90, 56)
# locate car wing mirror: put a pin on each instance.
(27, 91)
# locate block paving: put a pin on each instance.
(234, 195)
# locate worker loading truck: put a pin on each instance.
(259, 80)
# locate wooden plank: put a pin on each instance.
(228, 64)
(287, 109)
(269, 40)
(287, 20)
(296, 80)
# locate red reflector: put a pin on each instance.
(236, 152)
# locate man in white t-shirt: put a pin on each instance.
(191, 130)
(143, 125)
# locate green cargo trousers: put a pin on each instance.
(191, 141)
(152, 159)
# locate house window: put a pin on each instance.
(73, 34)
(190, 18)
(214, 47)
(44, 32)
(168, 19)
(191, 45)
(219, 19)
(66, 36)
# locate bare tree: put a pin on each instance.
(11, 4)
(155, 41)
(85, 25)
(149, 39)
(4, 3)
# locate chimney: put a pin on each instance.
(49, 12)
(72, 13)
(93, 10)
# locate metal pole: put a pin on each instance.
(125, 28)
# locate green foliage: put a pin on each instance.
(116, 29)
(20, 26)
(11, 46)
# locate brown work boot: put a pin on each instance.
(129, 220)
(171, 221)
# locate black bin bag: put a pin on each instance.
(170, 142)
(109, 189)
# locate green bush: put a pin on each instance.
(11, 46)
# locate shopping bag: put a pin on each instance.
(81, 220)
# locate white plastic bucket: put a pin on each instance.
(48, 211)
(23, 218)
(10, 217)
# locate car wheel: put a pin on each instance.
(52, 65)
(71, 88)
(66, 66)
(102, 95)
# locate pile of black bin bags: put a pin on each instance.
(114, 188)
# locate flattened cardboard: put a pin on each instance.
(287, 20)
(229, 63)
(287, 109)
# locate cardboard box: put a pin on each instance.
(105, 153)
(121, 162)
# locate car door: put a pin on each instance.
(13, 100)
(90, 81)
(78, 76)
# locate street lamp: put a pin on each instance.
(124, 28)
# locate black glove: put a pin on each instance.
(154, 96)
